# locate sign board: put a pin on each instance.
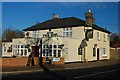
(56, 59)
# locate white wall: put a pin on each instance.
(100, 44)
(4, 51)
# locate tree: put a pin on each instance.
(114, 38)
(8, 34)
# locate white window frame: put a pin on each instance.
(52, 54)
(104, 37)
(104, 51)
(67, 32)
(98, 36)
(35, 34)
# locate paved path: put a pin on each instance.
(24, 69)
(104, 72)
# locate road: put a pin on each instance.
(110, 72)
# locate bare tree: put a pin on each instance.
(8, 34)
(114, 38)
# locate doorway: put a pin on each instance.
(35, 51)
(97, 54)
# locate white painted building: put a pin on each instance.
(70, 38)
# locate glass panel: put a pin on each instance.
(21, 46)
(55, 46)
(66, 34)
(54, 53)
(21, 52)
(94, 52)
(59, 46)
(80, 51)
(46, 46)
(43, 46)
(25, 52)
(50, 46)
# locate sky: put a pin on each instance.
(20, 15)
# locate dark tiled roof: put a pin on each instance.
(61, 23)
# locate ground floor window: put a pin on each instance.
(80, 50)
(104, 52)
(20, 50)
(52, 50)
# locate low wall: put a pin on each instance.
(115, 53)
(62, 61)
(12, 62)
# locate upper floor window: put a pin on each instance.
(98, 36)
(104, 37)
(108, 37)
(67, 32)
(35, 34)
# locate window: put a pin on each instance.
(55, 46)
(54, 52)
(59, 53)
(98, 36)
(52, 49)
(18, 52)
(104, 37)
(104, 51)
(50, 46)
(35, 34)
(25, 52)
(21, 52)
(108, 37)
(50, 52)
(4, 48)
(67, 32)
(59, 46)
(21, 46)
(80, 50)
(94, 52)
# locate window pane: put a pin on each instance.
(50, 46)
(66, 34)
(94, 52)
(63, 29)
(18, 46)
(21, 52)
(25, 51)
(46, 46)
(59, 46)
(80, 51)
(55, 46)
(43, 46)
(21, 46)
(54, 53)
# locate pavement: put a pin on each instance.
(67, 66)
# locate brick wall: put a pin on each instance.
(11, 62)
(115, 53)
(62, 61)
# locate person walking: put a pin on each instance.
(30, 60)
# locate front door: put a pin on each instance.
(35, 51)
(97, 54)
